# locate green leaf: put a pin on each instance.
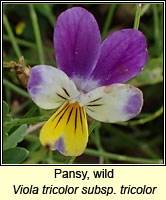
(15, 155)
(16, 137)
(152, 73)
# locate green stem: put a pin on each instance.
(156, 22)
(30, 112)
(15, 88)
(37, 156)
(51, 17)
(97, 139)
(11, 36)
(143, 120)
(137, 17)
(148, 151)
(157, 140)
(156, 28)
(70, 160)
(93, 126)
(31, 120)
(27, 44)
(37, 33)
(145, 8)
(99, 145)
(108, 20)
(122, 157)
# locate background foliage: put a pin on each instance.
(28, 31)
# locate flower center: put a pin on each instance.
(80, 99)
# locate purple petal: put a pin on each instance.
(59, 145)
(77, 43)
(35, 80)
(123, 56)
(133, 105)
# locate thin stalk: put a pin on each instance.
(33, 109)
(156, 22)
(123, 158)
(143, 120)
(137, 17)
(97, 139)
(145, 8)
(27, 44)
(37, 33)
(11, 36)
(99, 145)
(31, 120)
(15, 88)
(156, 27)
(70, 160)
(51, 17)
(156, 141)
(148, 151)
(93, 126)
(108, 20)
(37, 156)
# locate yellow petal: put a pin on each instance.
(66, 130)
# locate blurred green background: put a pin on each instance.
(28, 31)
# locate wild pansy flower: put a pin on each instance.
(89, 78)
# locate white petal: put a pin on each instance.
(114, 103)
(50, 87)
